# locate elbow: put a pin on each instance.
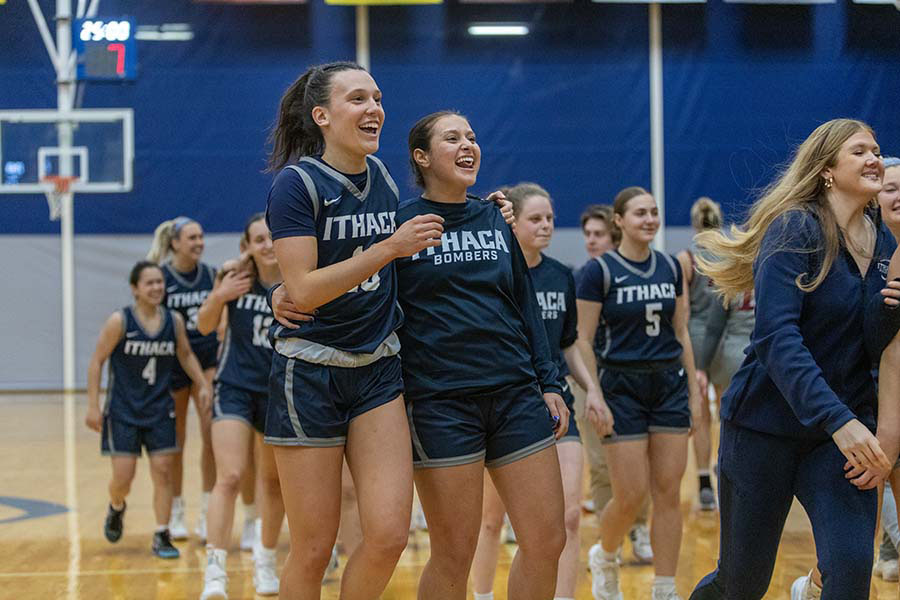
(205, 328)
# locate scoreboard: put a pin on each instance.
(105, 49)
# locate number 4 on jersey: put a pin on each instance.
(149, 372)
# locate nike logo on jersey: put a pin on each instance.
(332, 201)
(131, 334)
(681, 372)
(565, 387)
(621, 278)
(171, 288)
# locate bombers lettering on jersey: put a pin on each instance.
(638, 307)
(466, 246)
(311, 199)
(467, 315)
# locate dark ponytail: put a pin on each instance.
(295, 134)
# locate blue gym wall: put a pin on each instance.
(567, 106)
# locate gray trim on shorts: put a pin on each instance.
(625, 438)
(319, 354)
(662, 429)
(575, 439)
(453, 461)
(308, 442)
(170, 450)
(233, 417)
(114, 454)
(302, 439)
(310, 188)
(522, 453)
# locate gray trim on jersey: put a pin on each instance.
(319, 354)
(342, 179)
(110, 376)
(386, 175)
(671, 265)
(310, 188)
(606, 277)
(216, 408)
(226, 350)
(160, 310)
(188, 284)
(521, 453)
(629, 267)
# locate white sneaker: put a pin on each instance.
(265, 578)
(803, 590)
(333, 564)
(604, 575)
(509, 535)
(589, 506)
(248, 535)
(640, 544)
(418, 519)
(887, 570)
(215, 581)
(200, 530)
(177, 528)
(670, 594)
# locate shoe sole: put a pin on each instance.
(167, 556)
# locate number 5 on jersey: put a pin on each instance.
(652, 310)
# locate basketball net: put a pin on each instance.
(61, 185)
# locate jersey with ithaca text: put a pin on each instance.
(140, 370)
(638, 306)
(246, 352)
(472, 320)
(311, 199)
(554, 286)
(185, 293)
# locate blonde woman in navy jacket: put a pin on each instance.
(801, 408)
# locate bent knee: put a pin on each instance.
(573, 519)
(388, 543)
(229, 479)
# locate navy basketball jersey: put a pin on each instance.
(246, 352)
(185, 292)
(638, 306)
(472, 321)
(140, 370)
(554, 286)
(312, 199)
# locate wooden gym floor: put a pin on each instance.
(53, 500)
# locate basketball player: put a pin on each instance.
(178, 247)
(647, 380)
(142, 342)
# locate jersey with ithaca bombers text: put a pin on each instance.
(311, 199)
(246, 352)
(638, 306)
(140, 369)
(554, 286)
(472, 321)
(185, 293)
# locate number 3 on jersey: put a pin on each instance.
(149, 372)
(369, 285)
(652, 310)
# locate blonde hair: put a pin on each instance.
(706, 214)
(517, 194)
(728, 259)
(165, 232)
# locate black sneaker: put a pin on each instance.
(113, 526)
(162, 545)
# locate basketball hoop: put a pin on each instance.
(61, 185)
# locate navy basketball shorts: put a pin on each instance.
(119, 438)
(207, 355)
(499, 427)
(312, 405)
(644, 402)
(233, 402)
(572, 435)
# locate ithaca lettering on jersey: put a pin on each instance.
(254, 302)
(466, 246)
(361, 225)
(552, 304)
(147, 348)
(647, 291)
(186, 299)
